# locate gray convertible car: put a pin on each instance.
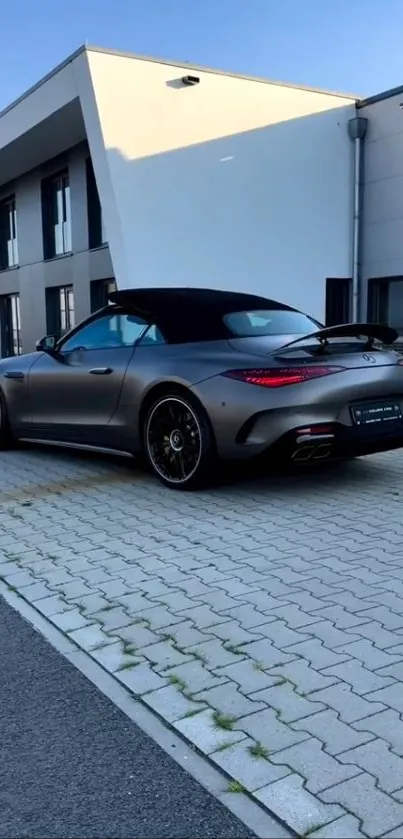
(186, 377)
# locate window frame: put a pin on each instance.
(96, 223)
(107, 312)
(11, 341)
(55, 310)
(9, 256)
(56, 213)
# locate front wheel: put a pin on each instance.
(178, 442)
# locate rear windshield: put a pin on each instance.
(269, 322)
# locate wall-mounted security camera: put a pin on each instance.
(190, 80)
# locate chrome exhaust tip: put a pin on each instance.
(322, 452)
(303, 453)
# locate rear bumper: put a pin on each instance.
(339, 443)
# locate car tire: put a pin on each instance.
(6, 436)
(178, 442)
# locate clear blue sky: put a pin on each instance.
(347, 45)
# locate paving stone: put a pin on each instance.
(394, 834)
(371, 657)
(227, 699)
(247, 616)
(158, 617)
(49, 606)
(335, 735)
(185, 634)
(141, 679)
(266, 728)
(69, 621)
(385, 616)
(379, 812)
(135, 602)
(90, 636)
(137, 635)
(195, 676)
(297, 807)
(287, 702)
(361, 680)
(113, 588)
(249, 675)
(171, 703)
(339, 829)
(20, 579)
(382, 638)
(113, 658)
(281, 635)
(76, 589)
(215, 654)
(38, 591)
(319, 769)
(164, 654)
(305, 678)
(294, 616)
(111, 619)
(377, 759)
(331, 636)
(202, 731)
(202, 617)
(305, 601)
(252, 772)
(265, 652)
(391, 696)
(394, 671)
(92, 603)
(233, 633)
(317, 654)
(348, 704)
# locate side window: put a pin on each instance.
(110, 331)
(152, 337)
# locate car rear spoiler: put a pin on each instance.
(373, 331)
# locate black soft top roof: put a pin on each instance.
(190, 314)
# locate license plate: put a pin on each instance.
(376, 412)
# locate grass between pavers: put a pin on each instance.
(259, 750)
(223, 721)
(236, 786)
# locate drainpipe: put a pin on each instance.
(357, 128)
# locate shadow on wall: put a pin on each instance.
(267, 210)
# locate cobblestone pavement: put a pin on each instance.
(263, 621)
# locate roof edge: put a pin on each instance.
(380, 97)
(217, 72)
(170, 63)
(43, 80)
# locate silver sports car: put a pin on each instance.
(186, 377)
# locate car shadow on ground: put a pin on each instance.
(238, 477)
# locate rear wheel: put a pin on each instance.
(178, 442)
(6, 437)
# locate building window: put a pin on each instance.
(96, 224)
(60, 310)
(100, 291)
(385, 301)
(56, 216)
(8, 234)
(338, 300)
(10, 325)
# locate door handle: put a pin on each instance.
(101, 371)
(14, 375)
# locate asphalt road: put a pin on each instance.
(72, 764)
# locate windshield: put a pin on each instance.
(270, 322)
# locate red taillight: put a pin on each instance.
(282, 376)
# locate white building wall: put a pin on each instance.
(382, 219)
(232, 183)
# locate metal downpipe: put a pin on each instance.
(357, 128)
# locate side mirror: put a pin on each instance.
(47, 344)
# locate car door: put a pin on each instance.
(74, 391)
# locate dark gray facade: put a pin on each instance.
(34, 277)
